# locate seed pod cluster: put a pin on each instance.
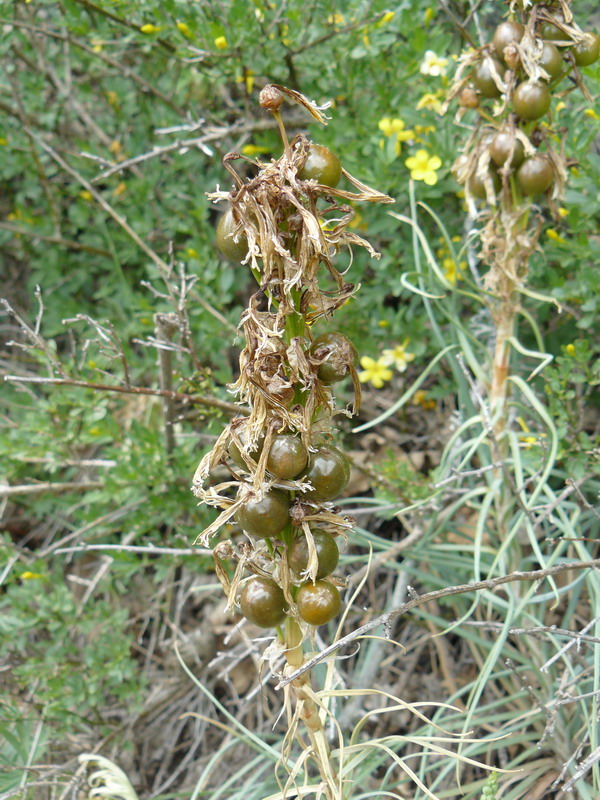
(286, 224)
(511, 82)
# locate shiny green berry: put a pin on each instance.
(321, 165)
(318, 602)
(501, 147)
(506, 34)
(327, 553)
(551, 60)
(262, 602)
(287, 456)
(536, 175)
(482, 77)
(329, 473)
(587, 51)
(531, 100)
(476, 185)
(267, 517)
(231, 249)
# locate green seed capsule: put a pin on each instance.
(267, 517)
(327, 553)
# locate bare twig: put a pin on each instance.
(567, 646)
(150, 549)
(166, 326)
(212, 134)
(69, 244)
(496, 626)
(196, 399)
(385, 619)
(50, 488)
(36, 340)
(583, 767)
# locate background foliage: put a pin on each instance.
(115, 117)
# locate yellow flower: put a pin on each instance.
(394, 128)
(254, 149)
(221, 43)
(555, 236)
(570, 349)
(336, 19)
(384, 323)
(428, 16)
(423, 167)
(590, 112)
(452, 271)
(563, 212)
(97, 45)
(86, 195)
(119, 189)
(191, 252)
(365, 38)
(375, 372)
(420, 399)
(248, 79)
(559, 107)
(527, 439)
(432, 100)
(30, 576)
(433, 64)
(184, 28)
(112, 98)
(149, 28)
(398, 356)
(387, 17)
(115, 147)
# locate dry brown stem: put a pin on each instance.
(419, 600)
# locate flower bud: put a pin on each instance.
(270, 98)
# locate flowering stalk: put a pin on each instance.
(510, 161)
(287, 224)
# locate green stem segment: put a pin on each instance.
(308, 709)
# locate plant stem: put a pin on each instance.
(308, 709)
(282, 132)
(166, 326)
(505, 324)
